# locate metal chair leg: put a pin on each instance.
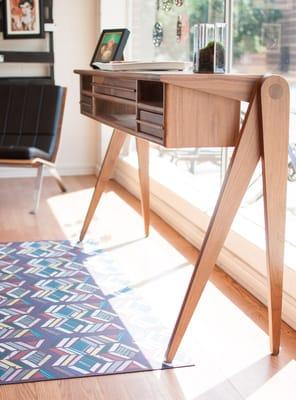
(57, 177)
(224, 164)
(38, 187)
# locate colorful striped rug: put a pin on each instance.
(56, 322)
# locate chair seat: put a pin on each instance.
(22, 153)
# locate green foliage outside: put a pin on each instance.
(248, 20)
(248, 17)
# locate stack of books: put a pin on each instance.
(142, 65)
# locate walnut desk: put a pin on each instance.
(201, 110)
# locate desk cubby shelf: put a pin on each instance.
(135, 104)
(153, 110)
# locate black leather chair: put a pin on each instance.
(30, 128)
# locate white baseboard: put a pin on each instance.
(249, 276)
(77, 170)
(28, 172)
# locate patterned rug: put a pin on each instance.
(56, 322)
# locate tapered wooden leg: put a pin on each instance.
(143, 158)
(275, 124)
(110, 159)
(242, 166)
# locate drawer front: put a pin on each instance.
(85, 108)
(124, 93)
(151, 130)
(154, 118)
(86, 100)
(116, 82)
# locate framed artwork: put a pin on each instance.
(23, 19)
(110, 46)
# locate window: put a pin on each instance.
(263, 39)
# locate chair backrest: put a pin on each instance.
(31, 116)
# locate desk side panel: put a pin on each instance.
(197, 119)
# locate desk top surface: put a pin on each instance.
(165, 75)
(234, 86)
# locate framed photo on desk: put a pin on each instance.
(110, 46)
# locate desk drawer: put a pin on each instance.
(86, 99)
(150, 129)
(124, 93)
(86, 104)
(116, 82)
(154, 118)
(124, 88)
(86, 108)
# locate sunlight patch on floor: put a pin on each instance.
(281, 386)
(159, 274)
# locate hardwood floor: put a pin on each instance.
(227, 337)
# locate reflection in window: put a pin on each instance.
(264, 36)
(263, 40)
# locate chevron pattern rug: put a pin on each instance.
(56, 322)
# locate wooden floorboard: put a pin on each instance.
(227, 337)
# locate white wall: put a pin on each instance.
(75, 41)
(75, 38)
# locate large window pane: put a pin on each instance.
(145, 14)
(264, 33)
(264, 40)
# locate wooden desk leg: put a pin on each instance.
(109, 162)
(143, 158)
(242, 166)
(275, 124)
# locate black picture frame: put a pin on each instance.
(23, 19)
(114, 41)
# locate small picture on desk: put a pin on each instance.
(110, 46)
(23, 19)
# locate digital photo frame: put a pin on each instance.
(110, 46)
